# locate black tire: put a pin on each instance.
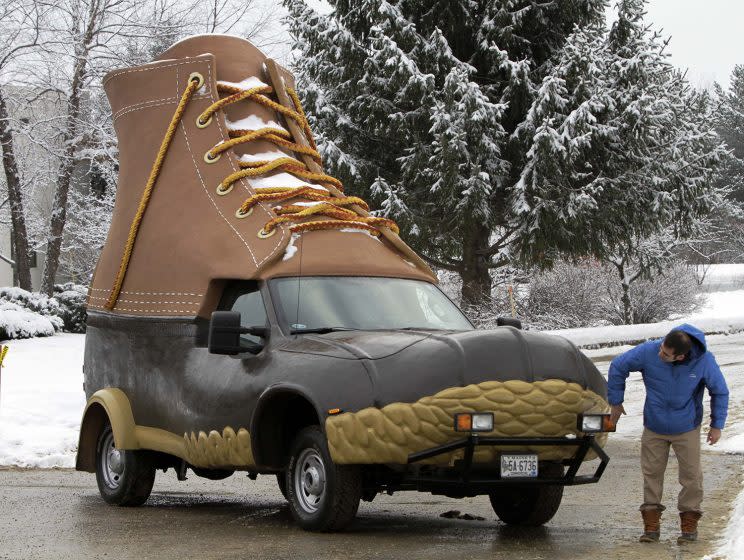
(281, 481)
(322, 496)
(529, 506)
(125, 478)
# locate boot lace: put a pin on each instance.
(321, 202)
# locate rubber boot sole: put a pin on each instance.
(649, 537)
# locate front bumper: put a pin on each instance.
(538, 410)
(463, 476)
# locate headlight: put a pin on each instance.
(474, 422)
(593, 423)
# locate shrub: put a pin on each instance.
(588, 294)
(31, 301)
(17, 322)
(568, 296)
(73, 309)
(671, 294)
(28, 314)
(583, 294)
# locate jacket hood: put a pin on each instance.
(697, 336)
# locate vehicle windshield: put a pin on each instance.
(325, 302)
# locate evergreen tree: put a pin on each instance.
(624, 154)
(730, 126)
(416, 104)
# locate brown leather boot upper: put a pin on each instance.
(190, 238)
(651, 525)
(688, 521)
(651, 520)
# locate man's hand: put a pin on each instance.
(714, 434)
(615, 411)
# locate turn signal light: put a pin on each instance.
(594, 423)
(474, 422)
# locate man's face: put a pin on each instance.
(667, 355)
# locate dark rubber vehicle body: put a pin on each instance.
(284, 384)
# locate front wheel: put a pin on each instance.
(529, 505)
(125, 478)
(322, 496)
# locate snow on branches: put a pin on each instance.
(621, 147)
(416, 104)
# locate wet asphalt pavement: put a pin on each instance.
(58, 514)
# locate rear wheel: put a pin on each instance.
(125, 478)
(322, 496)
(529, 505)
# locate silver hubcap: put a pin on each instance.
(310, 480)
(113, 462)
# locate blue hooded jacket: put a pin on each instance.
(674, 391)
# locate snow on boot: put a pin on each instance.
(688, 522)
(651, 525)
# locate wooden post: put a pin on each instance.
(511, 301)
(279, 85)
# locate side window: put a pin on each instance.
(247, 300)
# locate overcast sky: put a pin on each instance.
(707, 36)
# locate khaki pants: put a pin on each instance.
(654, 458)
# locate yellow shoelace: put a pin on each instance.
(321, 204)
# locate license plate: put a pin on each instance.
(520, 465)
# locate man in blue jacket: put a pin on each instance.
(675, 370)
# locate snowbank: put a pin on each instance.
(733, 540)
(601, 337)
(16, 322)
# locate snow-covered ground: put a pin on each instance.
(723, 277)
(41, 401)
(730, 303)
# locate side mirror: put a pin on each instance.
(225, 331)
(509, 322)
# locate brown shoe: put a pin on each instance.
(651, 525)
(688, 522)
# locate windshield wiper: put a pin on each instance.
(321, 330)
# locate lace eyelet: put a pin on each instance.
(263, 234)
(240, 214)
(203, 124)
(198, 78)
(209, 158)
(223, 190)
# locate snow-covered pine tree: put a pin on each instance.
(730, 126)
(622, 146)
(624, 153)
(415, 104)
